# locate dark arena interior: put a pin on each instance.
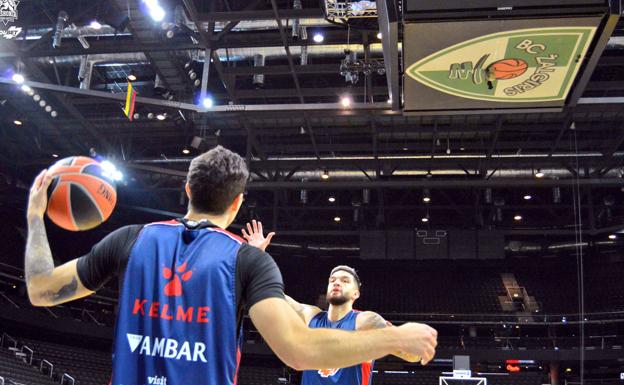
(466, 157)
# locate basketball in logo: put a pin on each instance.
(507, 69)
(82, 195)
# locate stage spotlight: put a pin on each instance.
(207, 102)
(18, 78)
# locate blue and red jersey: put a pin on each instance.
(354, 375)
(177, 321)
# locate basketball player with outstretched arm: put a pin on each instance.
(185, 284)
(343, 289)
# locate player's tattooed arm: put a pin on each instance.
(47, 285)
(370, 320)
(60, 295)
(305, 312)
(38, 259)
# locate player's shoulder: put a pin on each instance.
(365, 314)
(123, 234)
(231, 236)
(318, 313)
(368, 320)
(171, 222)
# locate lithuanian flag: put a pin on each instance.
(130, 99)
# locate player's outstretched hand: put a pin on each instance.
(255, 237)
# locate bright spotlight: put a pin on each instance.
(612, 236)
(132, 77)
(108, 167)
(527, 197)
(518, 218)
(160, 117)
(109, 170)
(117, 175)
(425, 220)
(18, 78)
(336, 219)
(157, 13)
(379, 35)
(345, 101)
(318, 38)
(25, 88)
(95, 24)
(207, 102)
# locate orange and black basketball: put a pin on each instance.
(507, 68)
(81, 195)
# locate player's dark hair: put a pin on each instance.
(349, 270)
(215, 178)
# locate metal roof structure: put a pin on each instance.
(277, 100)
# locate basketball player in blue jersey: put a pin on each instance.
(343, 289)
(185, 284)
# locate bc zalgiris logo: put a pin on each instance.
(528, 65)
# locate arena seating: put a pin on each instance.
(88, 367)
(15, 370)
(554, 284)
(393, 287)
(253, 375)
(460, 287)
(606, 288)
(425, 287)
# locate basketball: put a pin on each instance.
(81, 195)
(507, 68)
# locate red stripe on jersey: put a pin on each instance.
(234, 236)
(367, 368)
(169, 222)
(238, 358)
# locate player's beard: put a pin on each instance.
(337, 301)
